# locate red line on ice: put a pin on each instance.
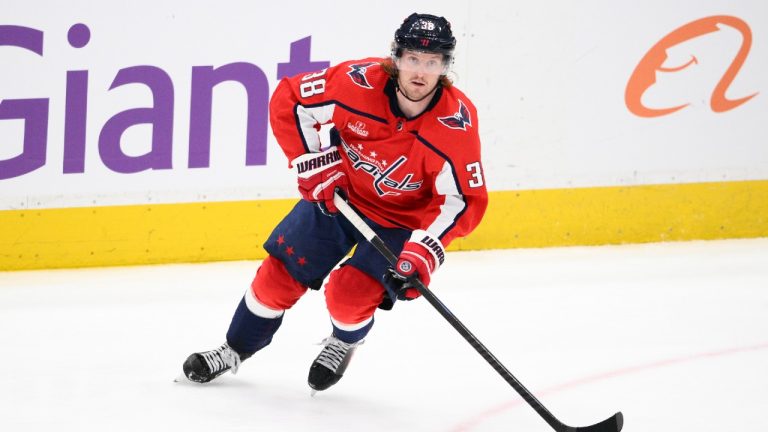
(468, 425)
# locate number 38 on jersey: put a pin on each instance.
(313, 84)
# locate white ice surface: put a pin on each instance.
(674, 335)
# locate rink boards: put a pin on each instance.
(197, 232)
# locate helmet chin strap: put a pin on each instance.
(402, 92)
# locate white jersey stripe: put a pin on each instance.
(454, 204)
(308, 118)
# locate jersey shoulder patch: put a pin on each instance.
(459, 119)
(358, 72)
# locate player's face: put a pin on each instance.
(419, 72)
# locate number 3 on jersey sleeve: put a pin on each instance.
(312, 84)
(476, 171)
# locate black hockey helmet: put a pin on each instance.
(427, 33)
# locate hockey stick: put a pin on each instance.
(611, 424)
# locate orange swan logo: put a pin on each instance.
(644, 75)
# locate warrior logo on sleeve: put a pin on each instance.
(357, 73)
(459, 120)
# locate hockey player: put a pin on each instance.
(405, 152)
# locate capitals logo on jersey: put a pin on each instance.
(382, 173)
(357, 73)
(459, 120)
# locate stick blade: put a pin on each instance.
(611, 424)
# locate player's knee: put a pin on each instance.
(274, 287)
(351, 295)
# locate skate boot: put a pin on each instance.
(204, 366)
(330, 364)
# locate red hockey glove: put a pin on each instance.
(319, 176)
(422, 255)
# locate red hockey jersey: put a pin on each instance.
(414, 173)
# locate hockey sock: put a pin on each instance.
(249, 332)
(351, 333)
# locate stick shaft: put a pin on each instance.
(379, 244)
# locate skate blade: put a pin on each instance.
(312, 393)
(180, 378)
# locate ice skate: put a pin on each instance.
(330, 364)
(205, 366)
